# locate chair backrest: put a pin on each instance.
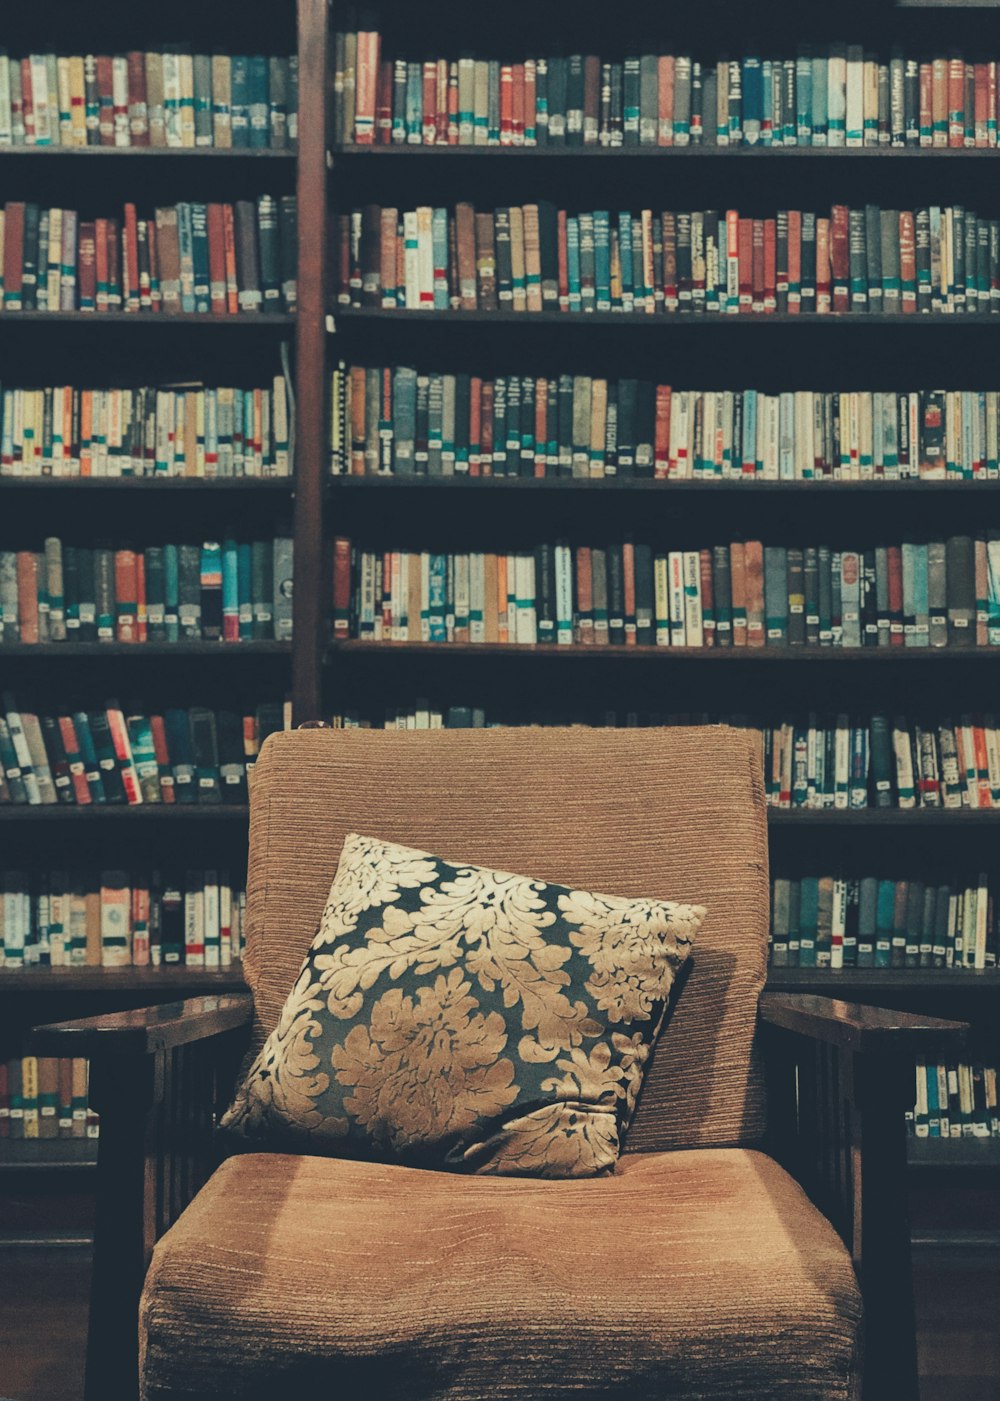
(676, 813)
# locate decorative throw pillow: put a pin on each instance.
(451, 1016)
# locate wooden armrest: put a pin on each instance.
(144, 1030)
(855, 1027)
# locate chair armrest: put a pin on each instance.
(865, 1030)
(145, 1030)
(159, 1077)
(840, 1078)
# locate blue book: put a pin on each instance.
(199, 257)
(413, 116)
(258, 102)
(244, 589)
(776, 595)
(602, 259)
(625, 259)
(240, 101)
(753, 101)
(803, 100)
(884, 915)
(808, 920)
(230, 591)
(820, 73)
(171, 593)
(185, 239)
(439, 244)
(437, 596)
(573, 261)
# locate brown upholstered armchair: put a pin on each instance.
(700, 1269)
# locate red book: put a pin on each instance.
(745, 248)
(71, 744)
(106, 100)
(518, 105)
(982, 91)
(628, 575)
(794, 261)
(429, 132)
(101, 262)
(991, 101)
(27, 594)
(367, 82)
(127, 596)
(840, 259)
(138, 115)
(908, 260)
(27, 103)
(661, 432)
(757, 270)
(152, 249)
(486, 430)
(141, 615)
(670, 255)
(506, 104)
(770, 271)
(131, 260)
(563, 261)
(956, 102)
(87, 267)
(707, 598)
(341, 588)
(584, 597)
(475, 426)
(123, 754)
(823, 292)
(216, 260)
(114, 266)
(383, 105)
(229, 246)
(926, 103)
(167, 793)
(665, 112)
(541, 428)
(13, 256)
(531, 99)
(453, 103)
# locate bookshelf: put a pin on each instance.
(549, 683)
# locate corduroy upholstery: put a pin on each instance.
(689, 1274)
(674, 814)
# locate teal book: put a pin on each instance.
(867, 921)
(776, 595)
(230, 592)
(240, 100)
(602, 259)
(171, 593)
(199, 257)
(808, 921)
(885, 911)
(244, 590)
(185, 238)
(258, 101)
(573, 262)
(140, 734)
(437, 598)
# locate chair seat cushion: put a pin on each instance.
(701, 1274)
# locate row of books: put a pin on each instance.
(172, 98)
(118, 919)
(810, 761)
(45, 1097)
(216, 591)
(103, 756)
(535, 258)
(218, 259)
(839, 95)
(955, 1101)
(833, 922)
(883, 762)
(942, 594)
(396, 420)
(173, 431)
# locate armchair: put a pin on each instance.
(700, 1268)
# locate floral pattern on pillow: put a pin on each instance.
(453, 1016)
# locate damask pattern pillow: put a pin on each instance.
(452, 1016)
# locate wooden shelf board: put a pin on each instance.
(47, 1154)
(715, 655)
(137, 650)
(463, 482)
(753, 153)
(881, 817)
(672, 320)
(128, 484)
(124, 812)
(176, 978)
(272, 321)
(939, 1154)
(848, 981)
(146, 153)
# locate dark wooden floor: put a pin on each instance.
(43, 1319)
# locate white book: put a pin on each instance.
(41, 105)
(661, 594)
(6, 123)
(769, 433)
(119, 93)
(678, 612)
(693, 617)
(477, 597)
(411, 262)
(526, 623)
(564, 594)
(425, 257)
(855, 109)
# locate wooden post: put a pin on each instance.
(310, 366)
